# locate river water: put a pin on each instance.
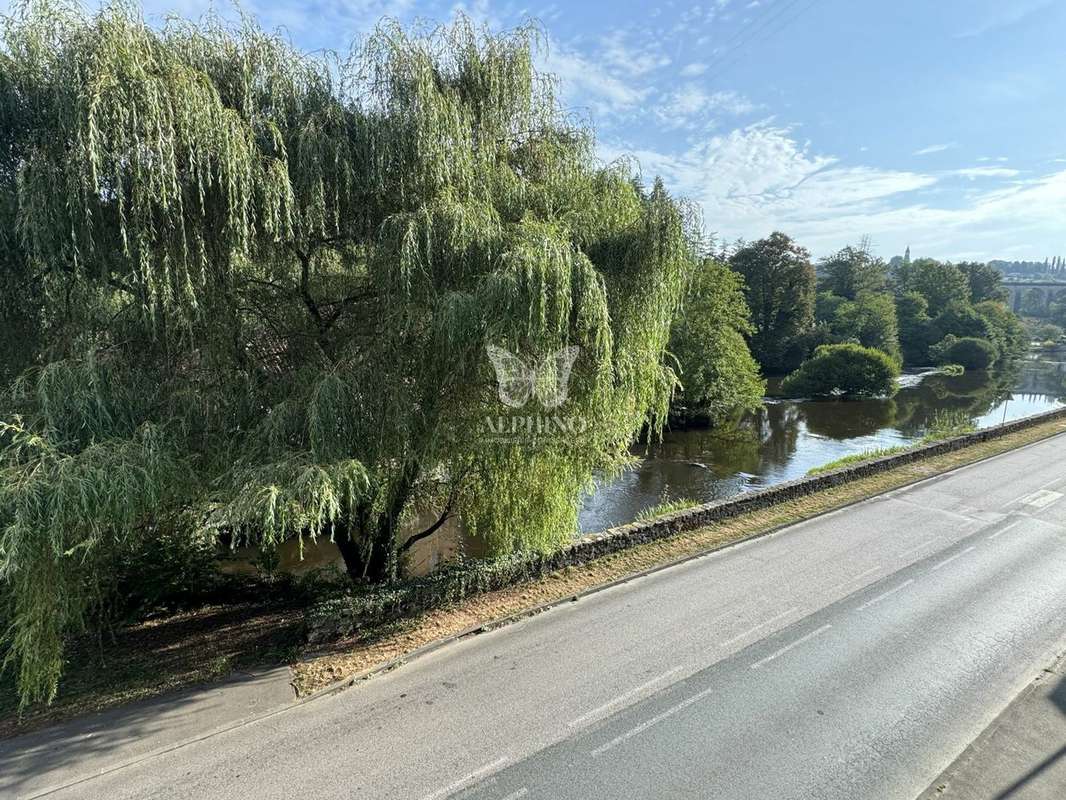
(785, 438)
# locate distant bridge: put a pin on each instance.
(1044, 292)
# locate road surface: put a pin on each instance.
(853, 655)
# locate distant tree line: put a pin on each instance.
(1053, 268)
(852, 311)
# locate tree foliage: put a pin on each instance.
(985, 281)
(851, 272)
(717, 372)
(257, 286)
(938, 282)
(916, 330)
(845, 370)
(779, 285)
(967, 351)
(936, 299)
(853, 304)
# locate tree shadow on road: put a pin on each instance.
(1058, 698)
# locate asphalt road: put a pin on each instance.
(851, 656)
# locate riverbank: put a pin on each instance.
(196, 647)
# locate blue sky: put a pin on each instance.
(935, 123)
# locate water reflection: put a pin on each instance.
(786, 438)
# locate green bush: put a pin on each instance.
(848, 370)
(970, 352)
(1047, 332)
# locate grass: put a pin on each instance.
(187, 649)
(667, 506)
(944, 425)
(858, 458)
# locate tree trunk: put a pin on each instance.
(376, 562)
(350, 552)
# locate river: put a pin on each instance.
(786, 438)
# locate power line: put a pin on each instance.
(767, 25)
(746, 33)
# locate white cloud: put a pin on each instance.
(759, 178)
(1002, 15)
(693, 70)
(617, 52)
(935, 148)
(986, 172)
(689, 105)
(586, 82)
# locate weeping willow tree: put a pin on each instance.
(255, 290)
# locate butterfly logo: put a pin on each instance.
(547, 380)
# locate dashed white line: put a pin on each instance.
(914, 550)
(949, 559)
(466, 780)
(623, 697)
(653, 721)
(762, 624)
(788, 647)
(854, 578)
(883, 595)
(1005, 529)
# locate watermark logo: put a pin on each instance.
(545, 380)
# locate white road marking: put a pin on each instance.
(515, 795)
(466, 780)
(949, 559)
(788, 647)
(762, 624)
(854, 578)
(1042, 498)
(883, 595)
(653, 721)
(914, 550)
(623, 697)
(1005, 529)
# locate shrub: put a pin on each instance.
(848, 370)
(970, 352)
(947, 423)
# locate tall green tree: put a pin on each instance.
(937, 281)
(717, 372)
(916, 330)
(851, 272)
(779, 285)
(870, 320)
(263, 286)
(986, 282)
